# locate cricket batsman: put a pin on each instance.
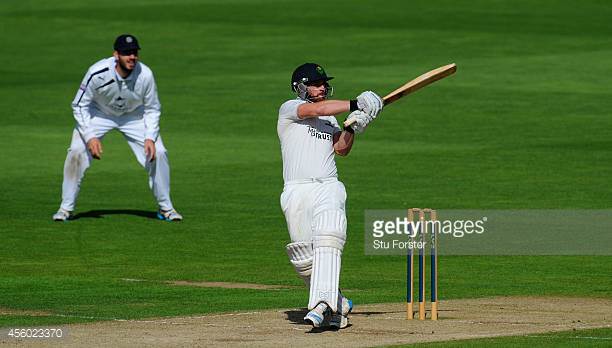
(118, 93)
(313, 199)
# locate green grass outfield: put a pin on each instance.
(569, 339)
(525, 123)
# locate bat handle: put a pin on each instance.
(349, 122)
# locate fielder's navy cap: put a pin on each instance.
(126, 42)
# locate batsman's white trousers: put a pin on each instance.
(315, 214)
(302, 200)
(133, 129)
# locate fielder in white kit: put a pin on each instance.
(313, 199)
(118, 93)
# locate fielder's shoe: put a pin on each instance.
(62, 215)
(340, 320)
(169, 215)
(316, 316)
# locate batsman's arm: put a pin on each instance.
(324, 108)
(343, 142)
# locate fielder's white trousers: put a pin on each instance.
(133, 129)
(302, 200)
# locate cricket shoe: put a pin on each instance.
(340, 320)
(169, 215)
(62, 215)
(317, 315)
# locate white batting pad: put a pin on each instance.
(328, 242)
(301, 255)
(325, 277)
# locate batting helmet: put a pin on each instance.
(307, 74)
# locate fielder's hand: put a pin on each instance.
(149, 148)
(361, 121)
(95, 148)
(370, 103)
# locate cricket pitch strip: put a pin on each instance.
(372, 325)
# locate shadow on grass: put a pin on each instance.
(99, 214)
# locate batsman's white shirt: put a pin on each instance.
(104, 92)
(307, 145)
(309, 169)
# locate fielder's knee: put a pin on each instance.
(77, 162)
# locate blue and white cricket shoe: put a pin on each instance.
(169, 215)
(340, 320)
(317, 315)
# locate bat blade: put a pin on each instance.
(420, 82)
(414, 85)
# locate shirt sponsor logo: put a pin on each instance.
(318, 134)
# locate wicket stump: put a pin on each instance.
(421, 233)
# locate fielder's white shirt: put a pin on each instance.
(104, 92)
(307, 145)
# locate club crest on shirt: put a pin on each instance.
(118, 104)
